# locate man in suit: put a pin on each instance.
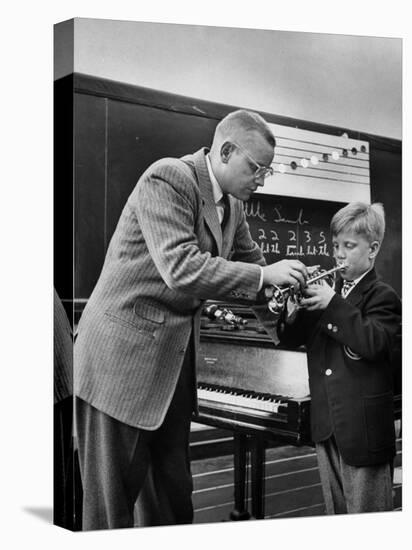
(182, 238)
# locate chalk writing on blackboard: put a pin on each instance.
(280, 219)
(287, 228)
(253, 210)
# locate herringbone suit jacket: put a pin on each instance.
(166, 256)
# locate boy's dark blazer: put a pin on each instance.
(349, 347)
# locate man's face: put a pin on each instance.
(354, 250)
(238, 172)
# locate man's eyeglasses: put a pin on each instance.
(261, 171)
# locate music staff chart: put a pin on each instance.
(319, 166)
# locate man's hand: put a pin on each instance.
(285, 272)
(317, 296)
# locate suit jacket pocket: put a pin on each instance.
(149, 312)
(379, 414)
(141, 327)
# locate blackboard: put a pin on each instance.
(292, 228)
(121, 129)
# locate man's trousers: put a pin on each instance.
(115, 460)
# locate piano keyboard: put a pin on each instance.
(260, 403)
(248, 411)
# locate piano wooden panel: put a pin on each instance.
(261, 369)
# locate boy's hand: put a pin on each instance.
(317, 296)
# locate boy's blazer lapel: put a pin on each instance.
(356, 295)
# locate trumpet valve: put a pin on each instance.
(277, 300)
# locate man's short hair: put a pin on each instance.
(361, 218)
(243, 122)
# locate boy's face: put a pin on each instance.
(356, 251)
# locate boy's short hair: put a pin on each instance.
(361, 218)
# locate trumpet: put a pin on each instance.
(277, 296)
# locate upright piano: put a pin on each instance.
(256, 389)
(247, 383)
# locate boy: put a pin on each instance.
(349, 332)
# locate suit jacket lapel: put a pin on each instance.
(209, 207)
(229, 227)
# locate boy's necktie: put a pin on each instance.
(347, 285)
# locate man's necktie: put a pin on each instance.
(347, 285)
(224, 208)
